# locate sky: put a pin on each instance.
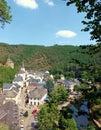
(44, 22)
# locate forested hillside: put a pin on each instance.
(41, 57)
(57, 59)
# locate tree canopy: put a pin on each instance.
(5, 14)
(92, 8)
(48, 116)
(49, 85)
(59, 95)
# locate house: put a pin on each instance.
(37, 96)
(18, 80)
(30, 80)
(12, 92)
(9, 115)
(38, 75)
(69, 84)
(31, 86)
(22, 74)
(7, 86)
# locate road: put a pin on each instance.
(28, 121)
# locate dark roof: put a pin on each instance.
(38, 92)
(68, 82)
(11, 93)
(2, 113)
(31, 80)
(17, 86)
(9, 115)
(41, 84)
(7, 86)
(18, 79)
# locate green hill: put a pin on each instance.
(55, 58)
(41, 57)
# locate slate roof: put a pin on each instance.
(11, 93)
(9, 115)
(68, 83)
(38, 92)
(18, 79)
(7, 86)
(31, 80)
(17, 86)
(31, 86)
(71, 82)
(2, 114)
(41, 84)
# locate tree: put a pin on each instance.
(67, 124)
(59, 95)
(26, 114)
(5, 14)
(90, 127)
(49, 85)
(66, 121)
(92, 8)
(84, 75)
(48, 116)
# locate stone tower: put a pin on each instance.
(10, 63)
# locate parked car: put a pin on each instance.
(35, 124)
(35, 117)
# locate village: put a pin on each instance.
(27, 93)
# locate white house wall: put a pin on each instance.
(36, 102)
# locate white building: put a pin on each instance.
(37, 96)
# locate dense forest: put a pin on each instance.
(72, 61)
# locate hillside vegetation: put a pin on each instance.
(41, 57)
(57, 59)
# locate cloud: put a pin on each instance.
(49, 2)
(32, 4)
(65, 33)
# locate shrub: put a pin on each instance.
(98, 101)
(26, 114)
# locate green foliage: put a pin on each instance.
(26, 114)
(49, 85)
(66, 112)
(84, 75)
(7, 74)
(67, 124)
(5, 14)
(71, 61)
(91, 127)
(93, 16)
(56, 76)
(98, 101)
(76, 87)
(48, 116)
(59, 95)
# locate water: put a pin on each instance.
(81, 119)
